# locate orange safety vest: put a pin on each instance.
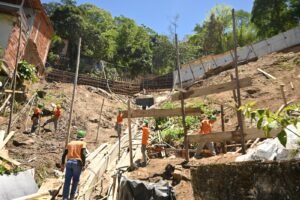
(120, 118)
(145, 135)
(37, 111)
(57, 113)
(206, 127)
(74, 150)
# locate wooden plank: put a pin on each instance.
(213, 89)
(10, 91)
(2, 144)
(5, 102)
(251, 133)
(162, 112)
(5, 157)
(33, 196)
(266, 74)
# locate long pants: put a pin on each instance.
(119, 129)
(210, 146)
(73, 171)
(143, 149)
(35, 125)
(54, 120)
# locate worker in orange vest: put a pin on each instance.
(56, 115)
(206, 128)
(76, 154)
(119, 123)
(145, 137)
(35, 118)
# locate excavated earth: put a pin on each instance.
(44, 150)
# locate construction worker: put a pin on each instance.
(55, 117)
(145, 137)
(119, 123)
(35, 118)
(76, 154)
(206, 128)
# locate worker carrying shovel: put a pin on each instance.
(55, 117)
(76, 154)
(145, 137)
(206, 128)
(36, 117)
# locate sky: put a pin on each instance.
(159, 14)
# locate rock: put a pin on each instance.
(26, 142)
(177, 177)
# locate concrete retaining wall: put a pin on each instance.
(248, 180)
(197, 68)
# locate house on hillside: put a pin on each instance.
(35, 37)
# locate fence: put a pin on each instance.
(119, 87)
(196, 69)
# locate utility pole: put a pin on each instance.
(239, 113)
(74, 92)
(12, 100)
(186, 147)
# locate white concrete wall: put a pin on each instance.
(6, 25)
(276, 43)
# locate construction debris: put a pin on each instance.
(17, 185)
(272, 149)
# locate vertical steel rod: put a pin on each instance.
(186, 146)
(74, 93)
(222, 118)
(99, 123)
(130, 135)
(12, 100)
(240, 117)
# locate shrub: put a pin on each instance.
(172, 135)
(27, 71)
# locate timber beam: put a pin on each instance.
(162, 112)
(212, 89)
(251, 133)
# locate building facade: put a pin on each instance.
(36, 34)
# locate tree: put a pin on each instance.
(215, 34)
(134, 52)
(271, 17)
(69, 2)
(163, 54)
(69, 24)
(294, 6)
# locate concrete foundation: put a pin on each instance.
(247, 180)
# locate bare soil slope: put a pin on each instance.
(44, 149)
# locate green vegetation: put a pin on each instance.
(171, 127)
(136, 50)
(4, 170)
(273, 17)
(27, 71)
(267, 120)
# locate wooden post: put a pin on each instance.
(130, 136)
(12, 100)
(74, 92)
(292, 85)
(240, 117)
(99, 122)
(283, 94)
(233, 91)
(222, 118)
(186, 145)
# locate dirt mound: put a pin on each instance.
(43, 150)
(284, 66)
